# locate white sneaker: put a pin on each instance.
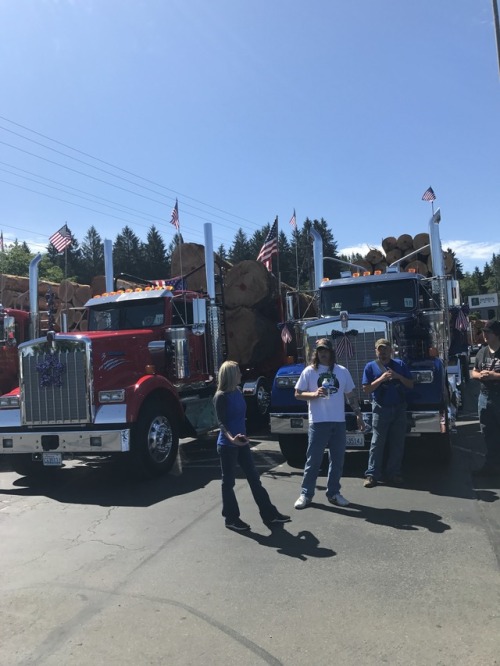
(302, 502)
(338, 500)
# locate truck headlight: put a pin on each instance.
(9, 402)
(118, 395)
(287, 381)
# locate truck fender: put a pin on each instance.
(144, 389)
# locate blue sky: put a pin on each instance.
(247, 109)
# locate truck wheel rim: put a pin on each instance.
(160, 439)
(263, 399)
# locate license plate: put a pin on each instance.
(355, 440)
(52, 459)
(297, 423)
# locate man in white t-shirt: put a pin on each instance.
(325, 385)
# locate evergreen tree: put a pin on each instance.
(492, 279)
(240, 249)
(155, 256)
(221, 252)
(92, 256)
(127, 253)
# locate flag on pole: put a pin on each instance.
(293, 220)
(61, 239)
(175, 215)
(429, 195)
(461, 322)
(270, 246)
(286, 336)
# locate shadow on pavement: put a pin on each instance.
(302, 546)
(399, 520)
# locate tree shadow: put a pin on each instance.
(395, 518)
(301, 547)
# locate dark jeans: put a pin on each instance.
(230, 456)
(389, 429)
(489, 419)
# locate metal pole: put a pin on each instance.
(497, 30)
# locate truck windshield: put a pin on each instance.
(124, 316)
(370, 297)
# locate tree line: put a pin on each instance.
(151, 259)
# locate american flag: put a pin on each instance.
(344, 347)
(429, 195)
(461, 322)
(175, 215)
(61, 239)
(270, 247)
(286, 336)
(293, 220)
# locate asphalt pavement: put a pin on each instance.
(97, 569)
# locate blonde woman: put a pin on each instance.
(233, 447)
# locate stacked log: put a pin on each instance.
(416, 249)
(252, 303)
(69, 298)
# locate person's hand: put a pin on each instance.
(241, 440)
(361, 423)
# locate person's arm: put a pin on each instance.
(220, 403)
(309, 395)
(476, 370)
(352, 399)
(370, 383)
(301, 394)
(404, 377)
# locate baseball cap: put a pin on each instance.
(493, 326)
(382, 342)
(324, 343)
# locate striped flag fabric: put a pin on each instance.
(343, 347)
(293, 220)
(429, 195)
(286, 336)
(175, 215)
(61, 239)
(270, 247)
(461, 322)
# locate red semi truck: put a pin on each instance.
(142, 376)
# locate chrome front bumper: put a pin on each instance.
(97, 442)
(420, 423)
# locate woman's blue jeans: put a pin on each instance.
(230, 456)
(331, 435)
(389, 429)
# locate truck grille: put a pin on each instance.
(360, 351)
(55, 383)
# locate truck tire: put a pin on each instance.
(258, 406)
(294, 450)
(155, 441)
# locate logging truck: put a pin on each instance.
(142, 376)
(416, 313)
(13, 330)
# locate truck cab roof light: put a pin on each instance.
(365, 273)
(377, 272)
(355, 274)
(412, 270)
